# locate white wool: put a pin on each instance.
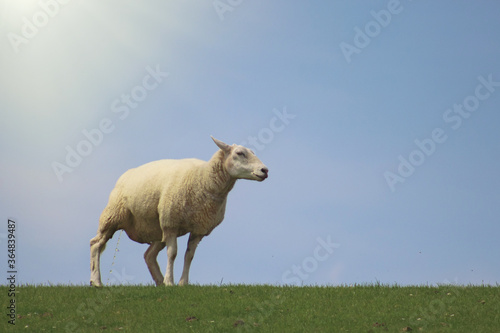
(162, 200)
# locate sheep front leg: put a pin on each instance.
(171, 242)
(193, 242)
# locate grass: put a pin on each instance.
(259, 308)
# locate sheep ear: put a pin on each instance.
(223, 146)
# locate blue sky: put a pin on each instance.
(378, 122)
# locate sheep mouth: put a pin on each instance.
(260, 178)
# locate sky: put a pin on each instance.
(378, 122)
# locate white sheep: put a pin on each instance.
(162, 200)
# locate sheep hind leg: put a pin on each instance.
(171, 242)
(97, 245)
(193, 242)
(150, 257)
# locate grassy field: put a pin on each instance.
(260, 308)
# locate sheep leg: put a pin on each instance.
(193, 242)
(171, 242)
(97, 245)
(150, 258)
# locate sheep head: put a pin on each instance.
(241, 162)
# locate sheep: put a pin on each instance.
(159, 201)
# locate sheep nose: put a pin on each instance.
(264, 170)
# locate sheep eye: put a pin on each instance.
(240, 153)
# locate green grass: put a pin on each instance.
(259, 308)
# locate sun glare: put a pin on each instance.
(17, 6)
(11, 11)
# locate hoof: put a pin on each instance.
(96, 285)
